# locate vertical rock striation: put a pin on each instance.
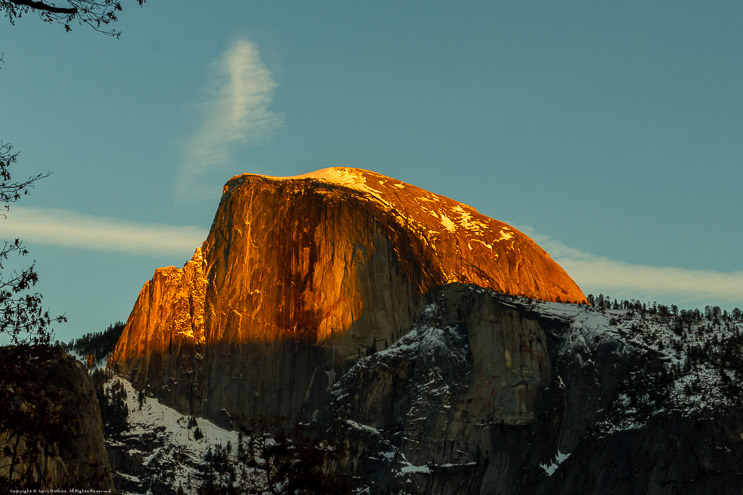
(301, 276)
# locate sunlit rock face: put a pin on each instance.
(300, 276)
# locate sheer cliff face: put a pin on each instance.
(320, 267)
(462, 390)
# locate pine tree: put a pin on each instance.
(240, 448)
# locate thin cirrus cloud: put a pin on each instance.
(60, 227)
(235, 111)
(635, 281)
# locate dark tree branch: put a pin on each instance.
(100, 15)
(45, 7)
(12, 190)
(22, 316)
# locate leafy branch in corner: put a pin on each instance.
(98, 14)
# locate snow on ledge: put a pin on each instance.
(559, 459)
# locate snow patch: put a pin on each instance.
(447, 223)
(365, 428)
(415, 469)
(467, 221)
(505, 236)
(559, 459)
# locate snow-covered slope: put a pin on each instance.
(160, 451)
(164, 452)
(700, 355)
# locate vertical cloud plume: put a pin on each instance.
(235, 111)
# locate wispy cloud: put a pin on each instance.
(235, 111)
(635, 281)
(67, 228)
(593, 273)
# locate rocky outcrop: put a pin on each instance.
(672, 454)
(301, 276)
(494, 394)
(453, 400)
(51, 435)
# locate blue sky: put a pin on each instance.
(610, 132)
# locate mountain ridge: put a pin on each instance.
(434, 216)
(301, 276)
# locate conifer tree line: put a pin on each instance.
(602, 302)
(269, 459)
(97, 344)
(112, 403)
(703, 342)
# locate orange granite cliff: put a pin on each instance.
(318, 267)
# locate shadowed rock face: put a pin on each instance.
(454, 400)
(490, 393)
(301, 276)
(494, 394)
(51, 436)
